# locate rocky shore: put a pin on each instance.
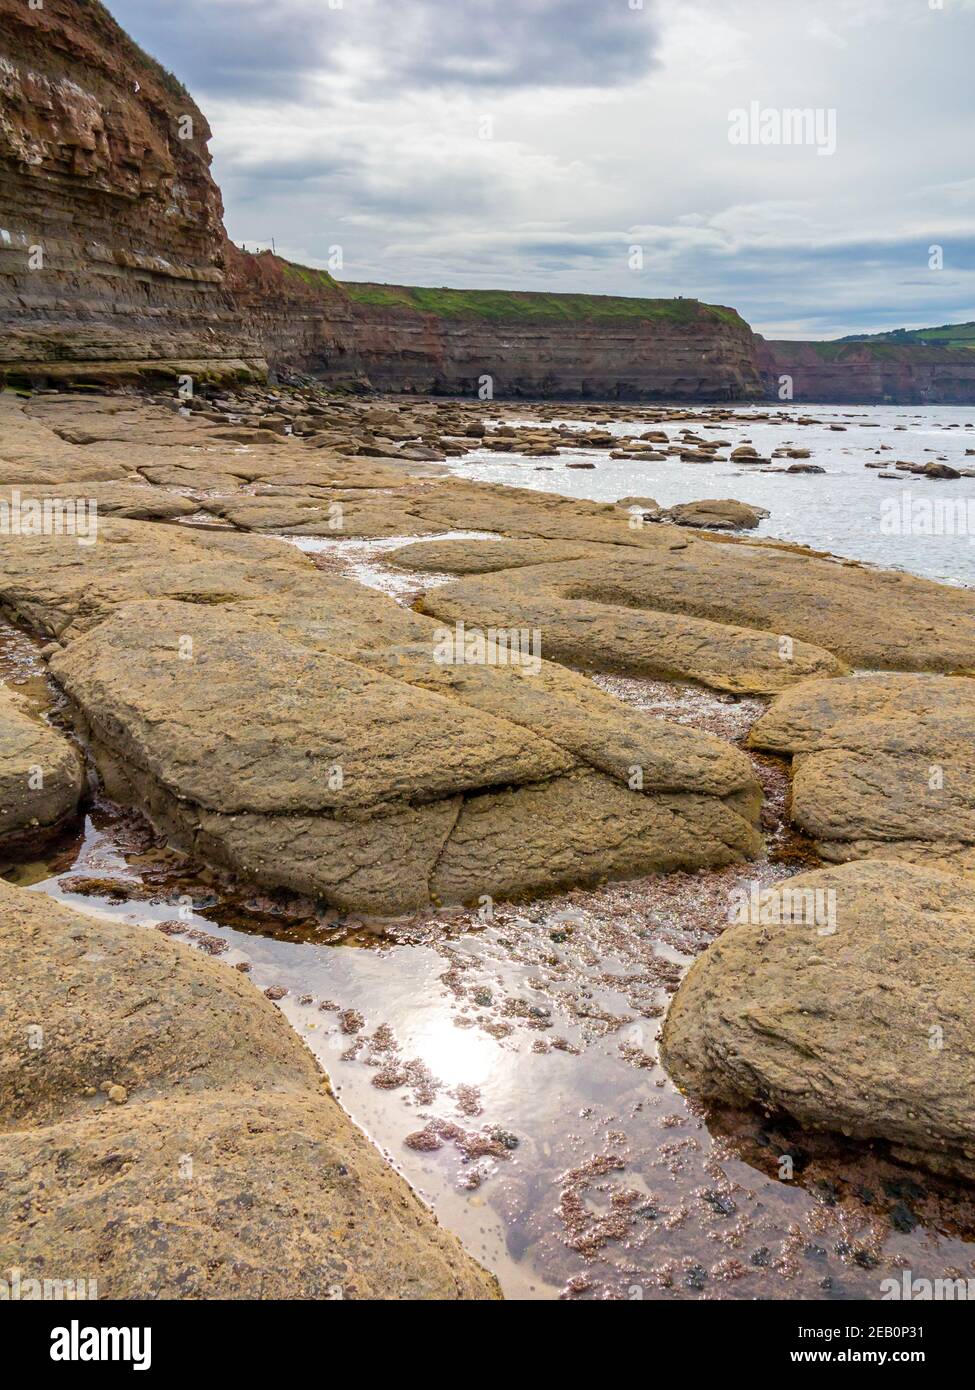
(307, 734)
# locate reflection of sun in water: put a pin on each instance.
(457, 1055)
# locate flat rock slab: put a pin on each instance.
(57, 586)
(878, 760)
(866, 1030)
(32, 454)
(122, 1053)
(135, 500)
(315, 739)
(490, 556)
(842, 612)
(41, 772)
(594, 614)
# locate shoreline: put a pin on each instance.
(461, 1128)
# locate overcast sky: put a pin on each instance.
(533, 143)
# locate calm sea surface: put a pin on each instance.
(849, 510)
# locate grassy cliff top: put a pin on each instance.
(319, 279)
(526, 305)
(881, 348)
(508, 305)
(960, 335)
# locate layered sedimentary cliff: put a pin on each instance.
(111, 229)
(577, 346)
(114, 263)
(864, 373)
(397, 338)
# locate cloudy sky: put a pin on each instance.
(534, 144)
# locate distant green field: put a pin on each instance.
(836, 351)
(960, 335)
(500, 305)
(949, 335)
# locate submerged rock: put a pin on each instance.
(857, 1019)
(165, 1132)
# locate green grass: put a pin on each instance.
(837, 351)
(948, 335)
(315, 279)
(508, 305)
(960, 335)
(499, 306)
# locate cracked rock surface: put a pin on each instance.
(41, 771)
(314, 742)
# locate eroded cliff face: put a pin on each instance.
(387, 337)
(114, 261)
(114, 264)
(870, 373)
(702, 357)
(111, 230)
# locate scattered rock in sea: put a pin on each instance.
(722, 515)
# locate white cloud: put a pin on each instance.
(610, 126)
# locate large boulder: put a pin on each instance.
(164, 1131)
(318, 740)
(878, 760)
(722, 514)
(847, 1004)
